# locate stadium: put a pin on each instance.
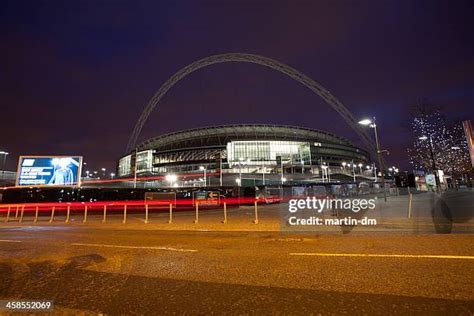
(247, 155)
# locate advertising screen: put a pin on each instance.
(49, 170)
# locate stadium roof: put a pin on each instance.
(221, 135)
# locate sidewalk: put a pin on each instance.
(270, 218)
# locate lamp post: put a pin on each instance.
(353, 171)
(372, 124)
(202, 168)
(240, 169)
(433, 160)
(4, 153)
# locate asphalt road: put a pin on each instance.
(93, 270)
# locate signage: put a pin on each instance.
(207, 197)
(430, 180)
(49, 171)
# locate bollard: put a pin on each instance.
(409, 204)
(171, 214)
(124, 214)
(68, 213)
(16, 213)
(146, 213)
(85, 214)
(256, 213)
(36, 214)
(197, 213)
(105, 214)
(22, 212)
(8, 215)
(52, 214)
(225, 213)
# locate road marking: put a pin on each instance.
(380, 255)
(135, 247)
(9, 240)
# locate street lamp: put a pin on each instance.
(239, 181)
(372, 124)
(171, 178)
(433, 161)
(202, 168)
(360, 168)
(112, 175)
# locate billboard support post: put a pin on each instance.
(68, 212)
(36, 213)
(52, 214)
(256, 213)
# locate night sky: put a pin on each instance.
(75, 75)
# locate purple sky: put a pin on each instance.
(75, 75)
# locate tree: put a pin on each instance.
(434, 136)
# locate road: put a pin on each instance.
(93, 270)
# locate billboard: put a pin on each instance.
(49, 171)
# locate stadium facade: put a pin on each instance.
(253, 150)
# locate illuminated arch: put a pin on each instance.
(255, 59)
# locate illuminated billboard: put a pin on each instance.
(49, 171)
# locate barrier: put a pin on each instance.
(8, 215)
(256, 213)
(146, 213)
(124, 214)
(52, 214)
(68, 212)
(36, 214)
(171, 214)
(21, 214)
(49, 210)
(225, 213)
(410, 198)
(85, 214)
(197, 213)
(105, 214)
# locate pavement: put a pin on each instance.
(90, 270)
(400, 266)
